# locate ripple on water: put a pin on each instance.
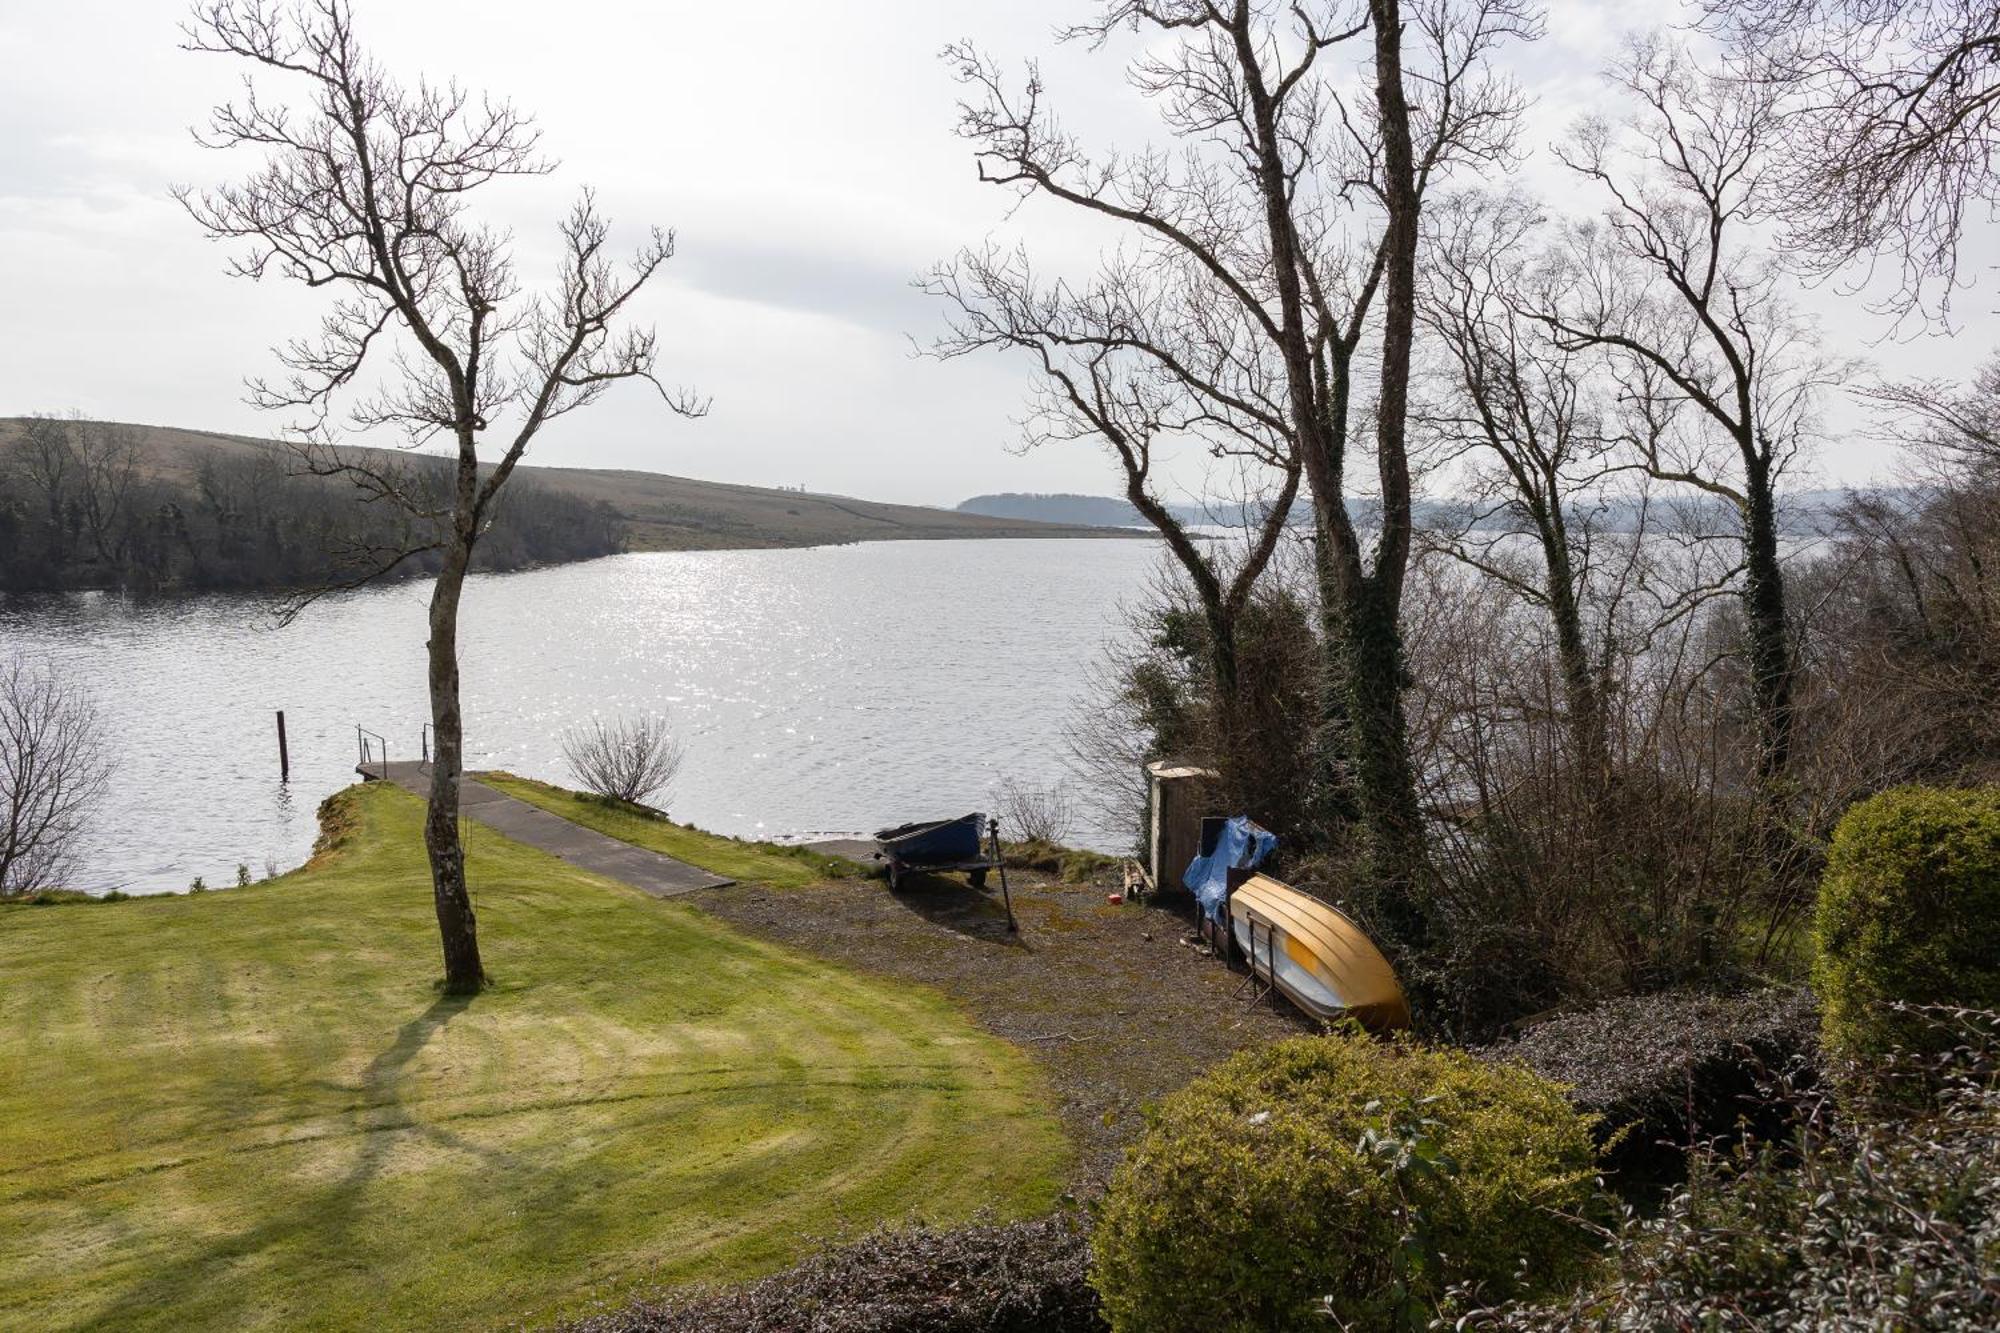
(825, 690)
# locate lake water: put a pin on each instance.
(819, 692)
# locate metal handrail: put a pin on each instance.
(373, 747)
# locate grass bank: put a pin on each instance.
(768, 863)
(250, 1109)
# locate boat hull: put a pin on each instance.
(1315, 955)
(938, 842)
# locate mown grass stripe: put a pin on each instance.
(249, 1109)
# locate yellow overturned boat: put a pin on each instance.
(1315, 955)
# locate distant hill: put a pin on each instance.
(661, 512)
(1108, 511)
(1096, 511)
(1806, 512)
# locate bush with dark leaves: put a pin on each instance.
(1884, 1217)
(1665, 1071)
(1023, 1277)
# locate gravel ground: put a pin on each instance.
(1114, 1005)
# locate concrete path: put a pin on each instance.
(860, 850)
(647, 871)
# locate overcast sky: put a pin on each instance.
(801, 148)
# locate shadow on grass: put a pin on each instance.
(323, 1220)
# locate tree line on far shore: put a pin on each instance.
(79, 508)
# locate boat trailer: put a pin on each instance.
(946, 845)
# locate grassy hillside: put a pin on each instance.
(665, 513)
(250, 1109)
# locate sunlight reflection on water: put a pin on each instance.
(820, 691)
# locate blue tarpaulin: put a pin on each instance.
(1239, 844)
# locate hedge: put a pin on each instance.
(1666, 1071)
(1020, 1277)
(1881, 1217)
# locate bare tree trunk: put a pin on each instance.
(1768, 635)
(1385, 779)
(1334, 801)
(457, 929)
(1223, 664)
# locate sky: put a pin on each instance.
(801, 149)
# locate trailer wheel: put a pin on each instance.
(978, 878)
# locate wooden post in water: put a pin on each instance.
(284, 754)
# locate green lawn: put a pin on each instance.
(250, 1108)
(751, 862)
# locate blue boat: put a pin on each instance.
(939, 842)
(970, 843)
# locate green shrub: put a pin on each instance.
(1347, 1177)
(1906, 913)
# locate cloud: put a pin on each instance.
(803, 150)
(820, 276)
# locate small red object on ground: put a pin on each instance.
(1114, 898)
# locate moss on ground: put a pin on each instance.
(251, 1108)
(1071, 865)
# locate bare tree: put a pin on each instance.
(365, 190)
(1035, 814)
(1891, 127)
(107, 466)
(631, 759)
(84, 476)
(1305, 146)
(1903, 640)
(53, 771)
(1959, 425)
(1719, 377)
(1140, 358)
(1555, 883)
(46, 466)
(1523, 411)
